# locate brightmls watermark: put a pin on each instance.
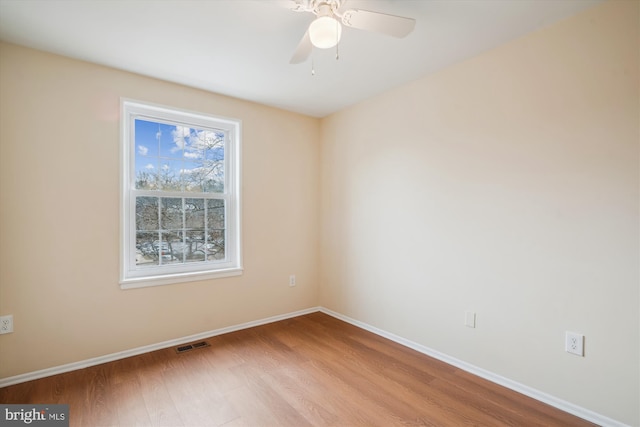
(34, 415)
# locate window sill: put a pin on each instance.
(170, 279)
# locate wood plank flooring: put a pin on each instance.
(312, 370)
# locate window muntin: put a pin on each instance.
(180, 196)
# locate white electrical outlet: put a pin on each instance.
(6, 324)
(574, 343)
(292, 280)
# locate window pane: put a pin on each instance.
(213, 176)
(171, 247)
(215, 229)
(147, 137)
(146, 173)
(213, 162)
(215, 245)
(195, 232)
(173, 140)
(193, 176)
(169, 175)
(146, 254)
(194, 214)
(146, 154)
(195, 246)
(171, 213)
(214, 145)
(215, 214)
(146, 213)
(194, 147)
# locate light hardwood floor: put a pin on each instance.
(312, 370)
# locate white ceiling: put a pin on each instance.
(242, 48)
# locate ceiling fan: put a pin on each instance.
(325, 31)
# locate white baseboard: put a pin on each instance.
(29, 376)
(513, 385)
(563, 405)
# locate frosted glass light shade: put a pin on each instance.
(325, 32)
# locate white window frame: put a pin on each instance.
(132, 276)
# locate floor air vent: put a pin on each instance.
(189, 347)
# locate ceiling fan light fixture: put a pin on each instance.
(325, 32)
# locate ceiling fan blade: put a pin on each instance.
(303, 50)
(396, 26)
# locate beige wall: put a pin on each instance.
(59, 216)
(507, 185)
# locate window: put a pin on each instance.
(180, 213)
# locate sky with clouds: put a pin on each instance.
(180, 151)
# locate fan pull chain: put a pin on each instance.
(313, 67)
(337, 40)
